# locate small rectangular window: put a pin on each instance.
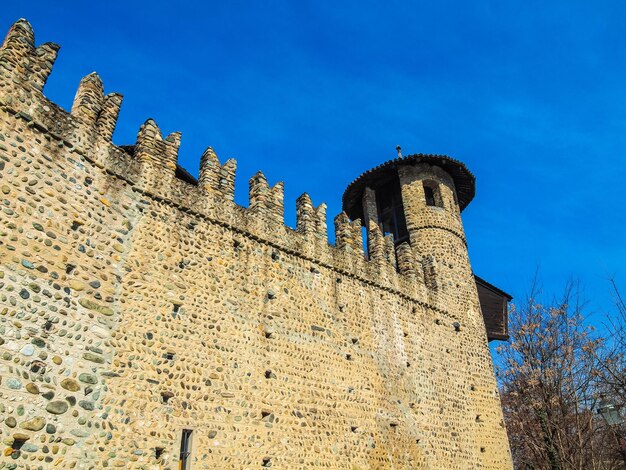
(432, 194)
(185, 450)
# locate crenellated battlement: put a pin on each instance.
(96, 111)
(310, 220)
(151, 165)
(154, 150)
(267, 202)
(348, 234)
(27, 65)
(216, 178)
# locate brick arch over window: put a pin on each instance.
(432, 194)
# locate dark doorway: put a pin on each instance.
(184, 462)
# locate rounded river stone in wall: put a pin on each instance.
(57, 407)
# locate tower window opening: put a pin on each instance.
(391, 211)
(432, 194)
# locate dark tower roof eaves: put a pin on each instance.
(464, 180)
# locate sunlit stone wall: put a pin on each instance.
(134, 304)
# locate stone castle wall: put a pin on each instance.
(134, 304)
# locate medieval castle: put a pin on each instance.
(147, 321)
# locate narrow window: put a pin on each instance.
(432, 194)
(185, 450)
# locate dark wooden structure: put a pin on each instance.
(494, 304)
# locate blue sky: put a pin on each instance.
(530, 95)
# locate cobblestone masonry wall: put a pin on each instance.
(134, 305)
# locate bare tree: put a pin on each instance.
(612, 373)
(612, 361)
(548, 374)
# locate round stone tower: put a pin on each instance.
(418, 199)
